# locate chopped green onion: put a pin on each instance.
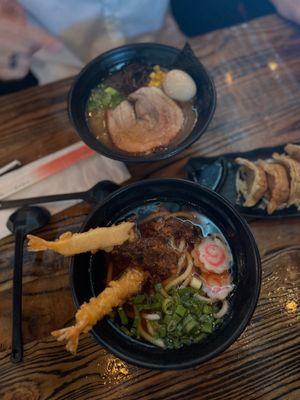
(184, 292)
(197, 307)
(167, 306)
(158, 297)
(153, 306)
(122, 315)
(186, 322)
(105, 99)
(207, 327)
(207, 309)
(125, 330)
(200, 337)
(161, 290)
(187, 319)
(179, 329)
(139, 299)
(183, 317)
(136, 321)
(176, 344)
(206, 318)
(102, 98)
(133, 331)
(162, 331)
(190, 326)
(171, 326)
(167, 319)
(176, 317)
(180, 310)
(111, 91)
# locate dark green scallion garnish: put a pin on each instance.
(123, 316)
(167, 306)
(102, 98)
(183, 318)
(138, 299)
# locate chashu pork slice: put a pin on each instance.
(147, 120)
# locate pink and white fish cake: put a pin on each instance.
(217, 286)
(212, 255)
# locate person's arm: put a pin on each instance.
(18, 41)
(289, 9)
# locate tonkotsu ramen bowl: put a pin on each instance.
(88, 272)
(149, 54)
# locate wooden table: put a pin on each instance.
(256, 68)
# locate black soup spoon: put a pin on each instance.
(20, 223)
(94, 195)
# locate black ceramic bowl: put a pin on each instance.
(88, 271)
(149, 54)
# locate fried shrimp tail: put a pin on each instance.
(93, 240)
(90, 313)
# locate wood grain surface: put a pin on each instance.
(256, 68)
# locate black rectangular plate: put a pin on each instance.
(219, 174)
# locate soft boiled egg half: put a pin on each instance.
(179, 85)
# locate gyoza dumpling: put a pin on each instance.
(293, 168)
(251, 181)
(278, 184)
(293, 150)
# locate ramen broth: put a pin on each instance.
(127, 80)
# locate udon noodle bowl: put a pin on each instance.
(189, 276)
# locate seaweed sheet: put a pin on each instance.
(187, 61)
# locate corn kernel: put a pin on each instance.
(156, 77)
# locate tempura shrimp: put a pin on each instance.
(90, 313)
(93, 240)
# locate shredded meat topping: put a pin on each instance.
(154, 250)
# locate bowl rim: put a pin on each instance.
(99, 148)
(243, 322)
